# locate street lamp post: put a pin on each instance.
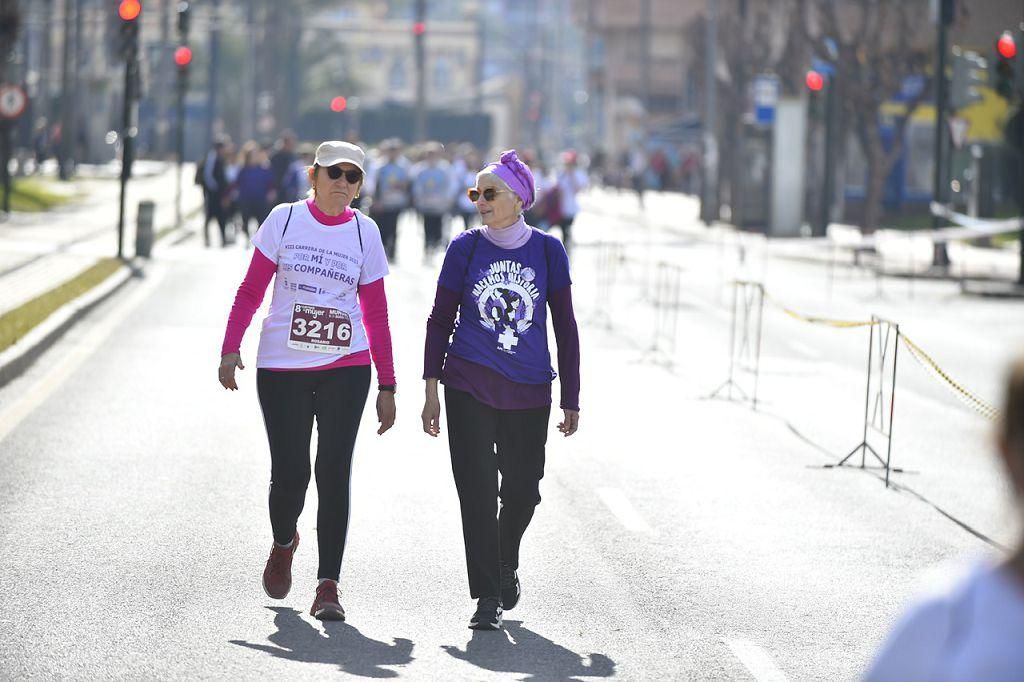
(709, 187)
(419, 29)
(940, 256)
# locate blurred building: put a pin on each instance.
(639, 67)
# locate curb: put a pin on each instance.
(19, 357)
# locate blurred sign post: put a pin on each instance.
(765, 89)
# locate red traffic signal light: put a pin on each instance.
(129, 10)
(814, 81)
(419, 28)
(183, 56)
(338, 104)
(1006, 47)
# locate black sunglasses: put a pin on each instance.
(353, 176)
(488, 194)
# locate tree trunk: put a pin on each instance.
(875, 188)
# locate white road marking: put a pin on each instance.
(623, 510)
(756, 660)
(80, 351)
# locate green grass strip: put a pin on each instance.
(29, 194)
(15, 323)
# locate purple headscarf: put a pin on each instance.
(516, 175)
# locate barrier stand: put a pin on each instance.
(744, 355)
(667, 286)
(888, 339)
(609, 257)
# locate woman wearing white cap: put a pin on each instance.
(328, 318)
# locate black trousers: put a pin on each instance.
(214, 211)
(290, 401)
(387, 221)
(484, 442)
(432, 228)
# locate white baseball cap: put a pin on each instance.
(334, 152)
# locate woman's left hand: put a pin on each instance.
(385, 410)
(570, 423)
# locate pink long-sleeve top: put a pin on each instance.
(372, 302)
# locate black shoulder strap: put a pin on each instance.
(359, 231)
(287, 220)
(472, 250)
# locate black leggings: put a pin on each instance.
(290, 401)
(485, 441)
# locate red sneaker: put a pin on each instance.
(277, 576)
(326, 606)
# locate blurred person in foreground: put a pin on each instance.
(500, 279)
(973, 630)
(328, 318)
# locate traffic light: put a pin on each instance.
(129, 12)
(339, 104)
(1004, 74)
(814, 81)
(969, 72)
(183, 57)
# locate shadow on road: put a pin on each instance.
(339, 644)
(522, 651)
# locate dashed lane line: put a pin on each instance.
(623, 510)
(756, 660)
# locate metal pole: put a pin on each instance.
(892, 404)
(827, 180)
(867, 392)
(180, 144)
(67, 95)
(759, 291)
(127, 143)
(214, 81)
(709, 188)
(940, 256)
(421, 83)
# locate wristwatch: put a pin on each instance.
(386, 387)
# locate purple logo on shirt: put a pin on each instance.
(505, 299)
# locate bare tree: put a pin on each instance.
(878, 45)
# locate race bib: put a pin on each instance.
(319, 329)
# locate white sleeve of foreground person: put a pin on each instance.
(972, 631)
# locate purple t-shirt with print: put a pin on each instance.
(503, 312)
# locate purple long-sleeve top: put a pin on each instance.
(493, 355)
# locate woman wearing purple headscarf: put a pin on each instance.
(500, 279)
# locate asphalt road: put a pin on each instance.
(679, 537)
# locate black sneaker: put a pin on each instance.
(510, 588)
(488, 614)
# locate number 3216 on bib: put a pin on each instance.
(320, 329)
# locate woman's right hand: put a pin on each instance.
(431, 410)
(226, 372)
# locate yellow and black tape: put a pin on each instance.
(965, 396)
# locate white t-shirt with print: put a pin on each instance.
(970, 632)
(319, 265)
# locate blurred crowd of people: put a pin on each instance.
(430, 180)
